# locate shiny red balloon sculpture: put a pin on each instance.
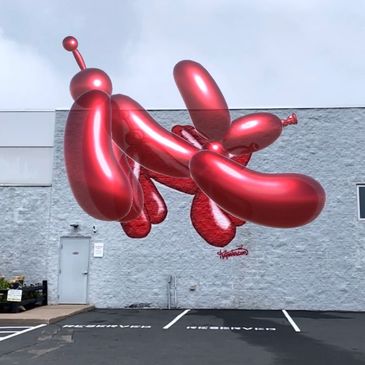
(114, 148)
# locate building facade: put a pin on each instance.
(320, 266)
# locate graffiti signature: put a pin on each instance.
(226, 254)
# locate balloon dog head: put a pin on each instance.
(88, 78)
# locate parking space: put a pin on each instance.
(127, 319)
(193, 337)
(233, 320)
(10, 331)
(342, 333)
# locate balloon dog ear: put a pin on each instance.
(204, 100)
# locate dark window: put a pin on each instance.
(361, 199)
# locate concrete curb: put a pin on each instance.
(44, 315)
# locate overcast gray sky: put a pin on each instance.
(262, 53)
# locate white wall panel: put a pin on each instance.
(27, 128)
(26, 147)
(26, 166)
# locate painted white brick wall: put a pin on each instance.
(318, 266)
(24, 213)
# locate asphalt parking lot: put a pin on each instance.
(177, 337)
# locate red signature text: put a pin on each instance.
(226, 254)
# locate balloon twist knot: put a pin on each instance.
(291, 119)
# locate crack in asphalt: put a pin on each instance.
(40, 346)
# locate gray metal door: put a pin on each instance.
(74, 269)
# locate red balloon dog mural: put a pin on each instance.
(114, 150)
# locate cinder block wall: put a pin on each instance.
(24, 214)
(318, 266)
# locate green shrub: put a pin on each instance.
(4, 284)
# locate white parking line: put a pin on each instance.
(176, 319)
(21, 332)
(290, 319)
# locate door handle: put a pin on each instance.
(85, 273)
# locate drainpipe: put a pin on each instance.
(175, 291)
(169, 282)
